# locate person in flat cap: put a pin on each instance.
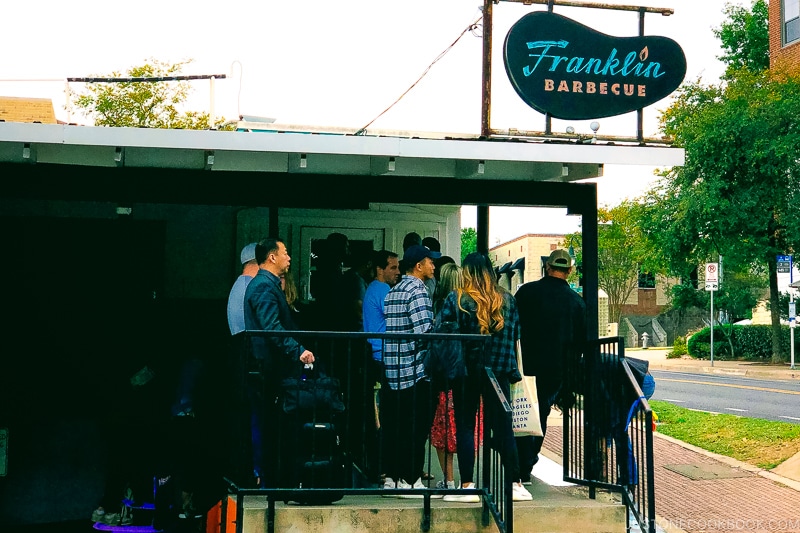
(406, 406)
(552, 331)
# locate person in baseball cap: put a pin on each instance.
(416, 254)
(236, 296)
(248, 253)
(552, 319)
(560, 258)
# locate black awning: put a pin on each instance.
(519, 264)
(505, 268)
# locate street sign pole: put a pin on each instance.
(785, 265)
(712, 284)
(712, 328)
(792, 322)
(792, 313)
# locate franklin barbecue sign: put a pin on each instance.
(571, 71)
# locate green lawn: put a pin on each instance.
(762, 443)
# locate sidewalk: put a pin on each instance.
(751, 369)
(714, 493)
(698, 491)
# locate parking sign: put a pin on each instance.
(712, 276)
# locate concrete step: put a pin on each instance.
(553, 509)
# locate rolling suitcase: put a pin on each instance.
(311, 450)
(319, 463)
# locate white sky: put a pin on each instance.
(323, 63)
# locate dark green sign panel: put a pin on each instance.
(571, 71)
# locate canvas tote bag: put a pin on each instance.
(525, 404)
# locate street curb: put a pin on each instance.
(787, 375)
(735, 463)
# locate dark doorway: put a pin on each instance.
(81, 304)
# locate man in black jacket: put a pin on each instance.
(265, 308)
(552, 330)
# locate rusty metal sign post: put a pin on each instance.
(486, 93)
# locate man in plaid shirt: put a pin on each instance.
(407, 405)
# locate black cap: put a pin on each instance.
(415, 254)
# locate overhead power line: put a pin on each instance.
(471, 28)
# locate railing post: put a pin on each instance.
(426, 514)
(239, 512)
(270, 514)
(589, 419)
(651, 486)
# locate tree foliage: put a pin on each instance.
(624, 251)
(469, 242)
(141, 104)
(737, 193)
(744, 37)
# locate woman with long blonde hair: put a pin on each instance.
(481, 306)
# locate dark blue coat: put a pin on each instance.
(265, 308)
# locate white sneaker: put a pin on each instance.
(519, 493)
(448, 485)
(418, 484)
(463, 498)
(388, 483)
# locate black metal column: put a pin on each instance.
(483, 229)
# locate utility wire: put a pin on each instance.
(471, 28)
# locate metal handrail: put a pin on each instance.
(641, 502)
(608, 429)
(496, 490)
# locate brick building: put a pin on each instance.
(32, 110)
(784, 33)
(523, 259)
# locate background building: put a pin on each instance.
(784, 33)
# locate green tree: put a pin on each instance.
(141, 104)
(624, 251)
(783, 305)
(469, 242)
(744, 37)
(737, 193)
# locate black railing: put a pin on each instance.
(346, 357)
(497, 475)
(608, 429)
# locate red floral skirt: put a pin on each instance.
(443, 430)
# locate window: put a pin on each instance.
(647, 280)
(791, 21)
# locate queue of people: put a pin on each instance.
(410, 294)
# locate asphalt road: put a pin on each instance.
(754, 398)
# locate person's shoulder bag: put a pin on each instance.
(444, 360)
